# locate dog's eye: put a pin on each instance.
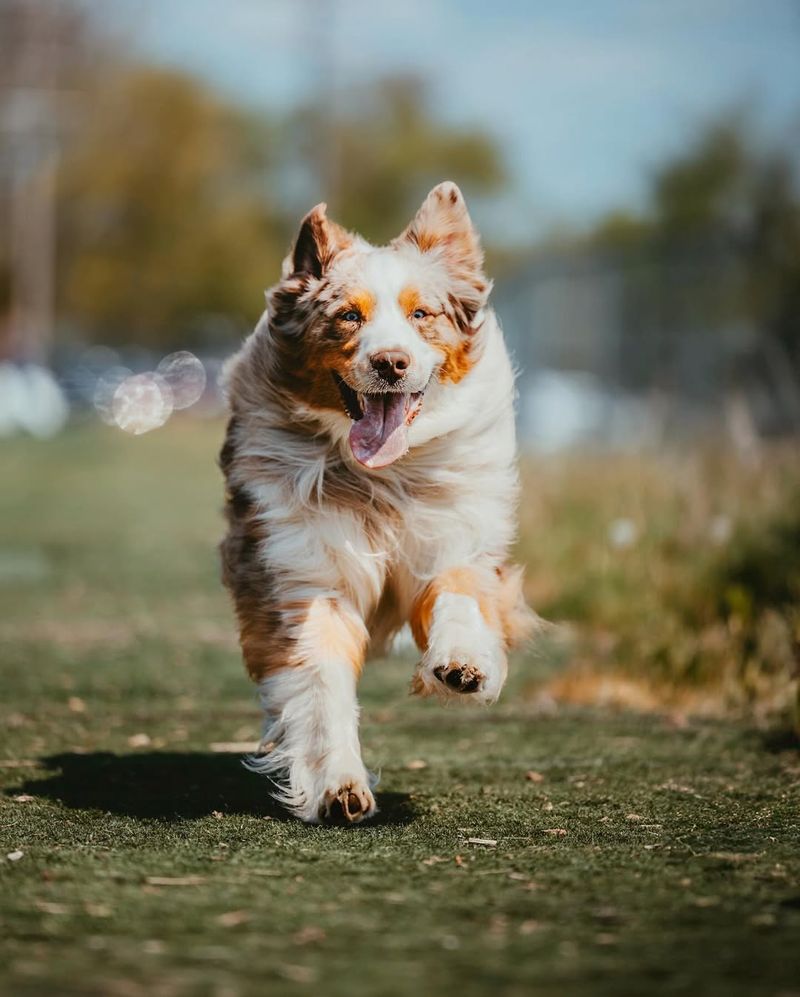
(419, 313)
(351, 316)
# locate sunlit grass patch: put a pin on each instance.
(679, 574)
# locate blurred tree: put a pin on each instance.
(729, 191)
(165, 219)
(717, 251)
(379, 152)
(704, 191)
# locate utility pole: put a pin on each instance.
(29, 113)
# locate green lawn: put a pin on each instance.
(626, 854)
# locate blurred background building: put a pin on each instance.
(633, 167)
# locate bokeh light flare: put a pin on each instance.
(186, 377)
(142, 402)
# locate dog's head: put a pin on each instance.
(366, 331)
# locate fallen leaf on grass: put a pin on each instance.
(416, 763)
(534, 776)
(488, 842)
(735, 857)
(50, 908)
(23, 798)
(309, 935)
(97, 910)
(175, 880)
(233, 918)
(216, 814)
(605, 938)
(557, 832)
(139, 740)
(234, 747)
(15, 856)
(297, 974)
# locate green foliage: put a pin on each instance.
(163, 215)
(701, 606)
(727, 193)
(761, 569)
(704, 188)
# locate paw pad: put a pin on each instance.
(460, 677)
(347, 805)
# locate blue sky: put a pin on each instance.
(584, 97)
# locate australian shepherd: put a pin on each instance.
(370, 463)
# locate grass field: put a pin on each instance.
(622, 853)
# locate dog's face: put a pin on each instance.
(367, 331)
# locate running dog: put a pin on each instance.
(370, 464)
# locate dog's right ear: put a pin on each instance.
(318, 241)
(442, 227)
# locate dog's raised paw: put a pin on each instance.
(350, 803)
(460, 677)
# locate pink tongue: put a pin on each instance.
(379, 438)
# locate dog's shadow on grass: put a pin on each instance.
(173, 785)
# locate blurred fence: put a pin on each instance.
(634, 347)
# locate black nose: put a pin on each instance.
(391, 364)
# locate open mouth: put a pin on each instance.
(378, 436)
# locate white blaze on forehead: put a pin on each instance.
(385, 273)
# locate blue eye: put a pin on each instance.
(351, 316)
(419, 313)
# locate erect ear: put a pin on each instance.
(318, 241)
(443, 226)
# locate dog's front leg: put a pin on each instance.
(311, 746)
(464, 621)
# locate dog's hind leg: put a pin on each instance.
(311, 745)
(464, 622)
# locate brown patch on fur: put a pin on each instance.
(443, 333)
(333, 632)
(363, 302)
(409, 300)
(498, 594)
(459, 359)
(425, 241)
(306, 360)
(264, 646)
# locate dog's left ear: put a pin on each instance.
(442, 226)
